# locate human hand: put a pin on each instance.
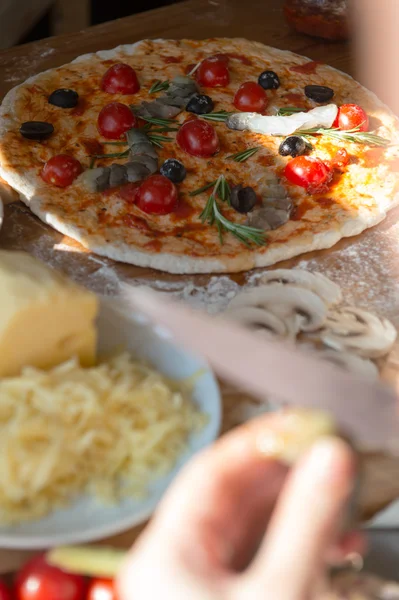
(236, 525)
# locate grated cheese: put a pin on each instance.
(106, 430)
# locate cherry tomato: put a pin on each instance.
(157, 195)
(120, 79)
(114, 120)
(102, 589)
(5, 593)
(350, 116)
(340, 159)
(198, 138)
(38, 580)
(251, 97)
(129, 192)
(213, 72)
(222, 58)
(307, 171)
(61, 170)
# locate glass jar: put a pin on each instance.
(320, 18)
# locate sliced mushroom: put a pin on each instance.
(118, 175)
(144, 148)
(350, 362)
(300, 309)
(326, 289)
(268, 218)
(95, 180)
(156, 110)
(136, 136)
(359, 331)
(258, 319)
(274, 190)
(176, 101)
(148, 161)
(136, 171)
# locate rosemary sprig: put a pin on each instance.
(212, 215)
(242, 156)
(159, 86)
(286, 111)
(113, 155)
(157, 139)
(161, 122)
(351, 135)
(222, 116)
(92, 162)
(203, 189)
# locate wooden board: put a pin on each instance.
(365, 267)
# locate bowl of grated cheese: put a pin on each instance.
(89, 457)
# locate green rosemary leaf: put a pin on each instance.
(242, 156)
(221, 116)
(286, 111)
(350, 135)
(203, 189)
(161, 122)
(113, 155)
(92, 162)
(159, 86)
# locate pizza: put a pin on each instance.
(200, 156)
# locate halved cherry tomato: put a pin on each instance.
(198, 138)
(120, 79)
(5, 593)
(157, 195)
(114, 120)
(213, 72)
(61, 170)
(251, 97)
(340, 159)
(102, 589)
(38, 580)
(350, 116)
(308, 172)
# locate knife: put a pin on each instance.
(364, 409)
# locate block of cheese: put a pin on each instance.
(45, 318)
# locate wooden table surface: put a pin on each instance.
(365, 266)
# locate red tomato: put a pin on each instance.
(61, 170)
(157, 195)
(129, 192)
(38, 580)
(102, 589)
(251, 97)
(222, 58)
(213, 72)
(5, 593)
(350, 116)
(307, 172)
(114, 120)
(340, 159)
(120, 79)
(198, 138)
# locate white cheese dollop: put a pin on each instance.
(322, 116)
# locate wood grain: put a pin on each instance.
(369, 281)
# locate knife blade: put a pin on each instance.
(366, 410)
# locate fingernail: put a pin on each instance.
(329, 457)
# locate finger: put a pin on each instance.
(305, 522)
(351, 543)
(222, 502)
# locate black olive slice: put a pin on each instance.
(293, 145)
(64, 98)
(36, 130)
(319, 93)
